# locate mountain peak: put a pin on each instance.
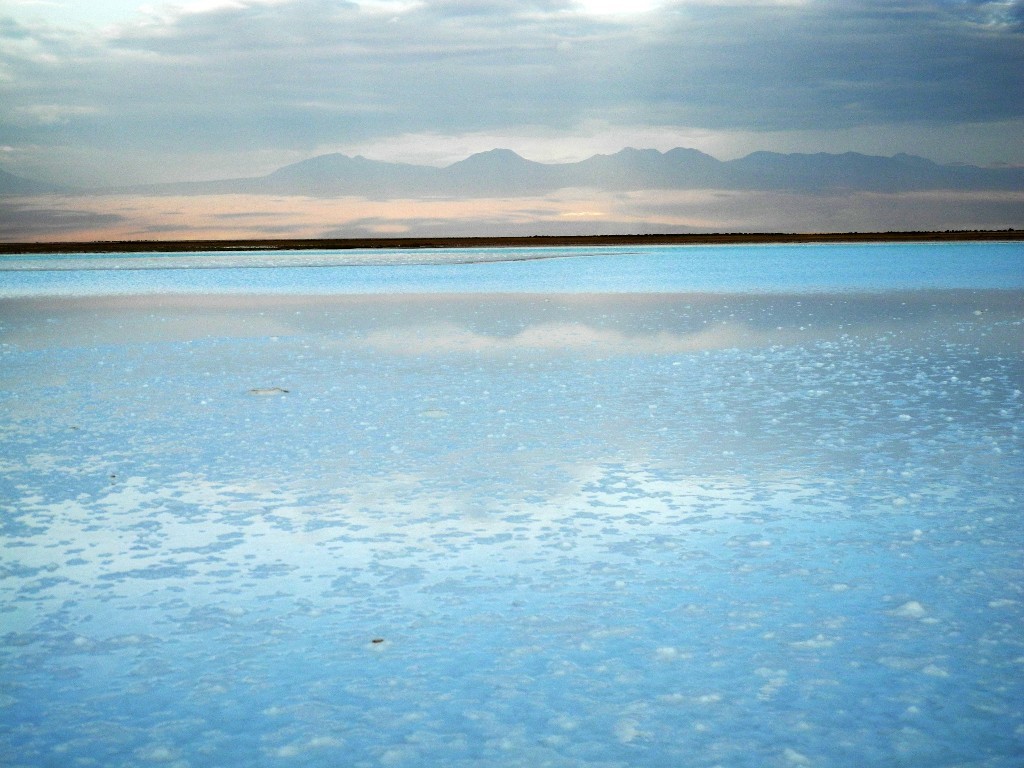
(917, 160)
(492, 157)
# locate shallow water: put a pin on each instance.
(679, 529)
(748, 268)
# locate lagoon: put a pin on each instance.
(722, 269)
(698, 507)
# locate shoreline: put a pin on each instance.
(536, 241)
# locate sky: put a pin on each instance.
(116, 91)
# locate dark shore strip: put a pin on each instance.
(537, 241)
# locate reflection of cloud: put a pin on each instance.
(444, 338)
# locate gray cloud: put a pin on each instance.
(25, 221)
(297, 75)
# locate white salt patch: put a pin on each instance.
(627, 731)
(1001, 603)
(157, 754)
(322, 742)
(776, 680)
(565, 722)
(911, 610)
(398, 755)
(818, 641)
(554, 741)
(434, 413)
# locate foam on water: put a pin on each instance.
(733, 530)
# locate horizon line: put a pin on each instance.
(512, 241)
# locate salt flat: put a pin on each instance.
(513, 529)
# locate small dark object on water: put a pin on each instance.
(377, 640)
(268, 391)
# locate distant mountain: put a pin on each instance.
(499, 173)
(650, 169)
(338, 174)
(503, 173)
(853, 171)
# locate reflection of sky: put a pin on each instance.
(647, 269)
(578, 541)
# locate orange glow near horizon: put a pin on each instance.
(568, 211)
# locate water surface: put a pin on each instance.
(759, 268)
(517, 519)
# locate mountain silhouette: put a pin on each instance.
(503, 173)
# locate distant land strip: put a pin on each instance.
(536, 241)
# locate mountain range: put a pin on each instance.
(503, 173)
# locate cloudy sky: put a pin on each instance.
(119, 90)
(104, 92)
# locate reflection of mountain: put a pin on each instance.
(503, 173)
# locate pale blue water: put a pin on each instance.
(762, 268)
(778, 526)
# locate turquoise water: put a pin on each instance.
(764, 268)
(521, 523)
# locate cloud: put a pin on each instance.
(295, 75)
(52, 220)
(127, 217)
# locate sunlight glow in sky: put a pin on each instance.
(101, 13)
